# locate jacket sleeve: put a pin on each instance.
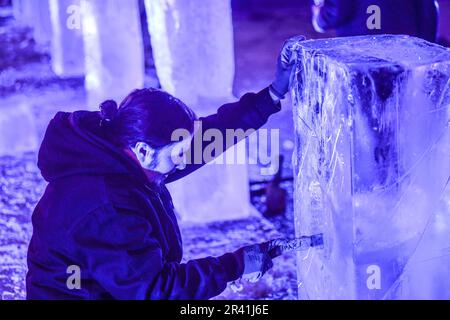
(334, 13)
(120, 252)
(250, 112)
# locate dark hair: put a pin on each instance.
(147, 115)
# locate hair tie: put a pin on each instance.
(108, 111)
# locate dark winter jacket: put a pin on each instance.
(412, 17)
(100, 214)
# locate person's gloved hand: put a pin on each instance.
(285, 66)
(256, 261)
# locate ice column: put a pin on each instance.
(42, 26)
(113, 49)
(193, 50)
(372, 167)
(67, 38)
(22, 10)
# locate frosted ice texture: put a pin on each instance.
(194, 57)
(34, 14)
(193, 47)
(372, 167)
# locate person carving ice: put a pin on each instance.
(364, 17)
(107, 213)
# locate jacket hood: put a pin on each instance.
(74, 144)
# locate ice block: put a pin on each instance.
(34, 14)
(372, 167)
(18, 131)
(67, 38)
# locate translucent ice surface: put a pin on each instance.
(372, 167)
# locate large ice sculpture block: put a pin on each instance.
(67, 38)
(194, 57)
(372, 167)
(113, 49)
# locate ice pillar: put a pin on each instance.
(18, 130)
(67, 38)
(193, 50)
(372, 167)
(35, 14)
(114, 50)
(42, 28)
(193, 47)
